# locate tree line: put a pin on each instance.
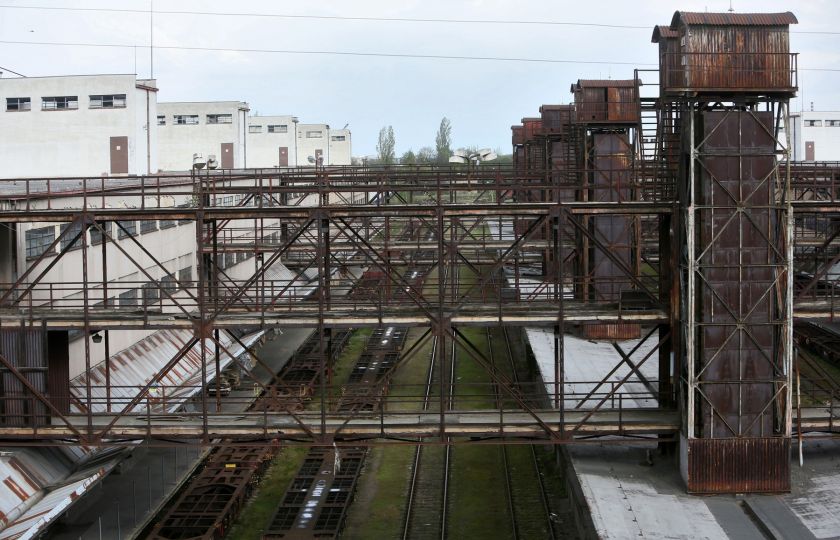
(386, 147)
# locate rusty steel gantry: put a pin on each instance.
(676, 220)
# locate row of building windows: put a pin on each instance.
(60, 103)
(819, 123)
(38, 240)
(192, 119)
(150, 293)
(270, 128)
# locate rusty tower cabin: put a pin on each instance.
(729, 78)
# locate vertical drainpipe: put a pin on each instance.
(244, 111)
(295, 122)
(148, 134)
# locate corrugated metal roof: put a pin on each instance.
(134, 367)
(663, 31)
(54, 503)
(604, 83)
(732, 19)
(556, 107)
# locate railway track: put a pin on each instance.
(315, 504)
(428, 493)
(206, 507)
(529, 509)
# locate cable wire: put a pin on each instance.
(358, 18)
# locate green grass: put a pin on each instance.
(255, 517)
(407, 384)
(377, 511)
(343, 366)
(472, 382)
(478, 504)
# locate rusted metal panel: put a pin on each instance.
(556, 119)
(532, 128)
(670, 72)
(24, 349)
(737, 271)
(753, 465)
(227, 155)
(610, 182)
(610, 331)
(58, 370)
(609, 101)
(739, 19)
(720, 52)
(517, 135)
(119, 155)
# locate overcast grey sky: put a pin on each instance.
(481, 97)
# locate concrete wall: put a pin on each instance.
(310, 139)
(177, 143)
(825, 135)
(75, 142)
(340, 147)
(264, 145)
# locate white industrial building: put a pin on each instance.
(223, 129)
(815, 135)
(112, 126)
(214, 128)
(272, 141)
(281, 141)
(92, 125)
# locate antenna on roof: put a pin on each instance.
(731, 9)
(152, 38)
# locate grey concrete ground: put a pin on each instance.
(628, 496)
(127, 498)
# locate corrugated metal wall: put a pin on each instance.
(734, 238)
(734, 57)
(25, 349)
(756, 465)
(610, 182)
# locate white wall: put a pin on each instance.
(73, 142)
(264, 147)
(308, 142)
(340, 147)
(178, 143)
(826, 137)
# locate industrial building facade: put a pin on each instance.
(78, 125)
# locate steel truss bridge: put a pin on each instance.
(510, 234)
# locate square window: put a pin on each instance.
(147, 226)
(59, 103)
(126, 229)
(128, 299)
(161, 120)
(219, 119)
(185, 276)
(107, 101)
(185, 119)
(167, 282)
(75, 229)
(151, 293)
(18, 104)
(38, 240)
(96, 236)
